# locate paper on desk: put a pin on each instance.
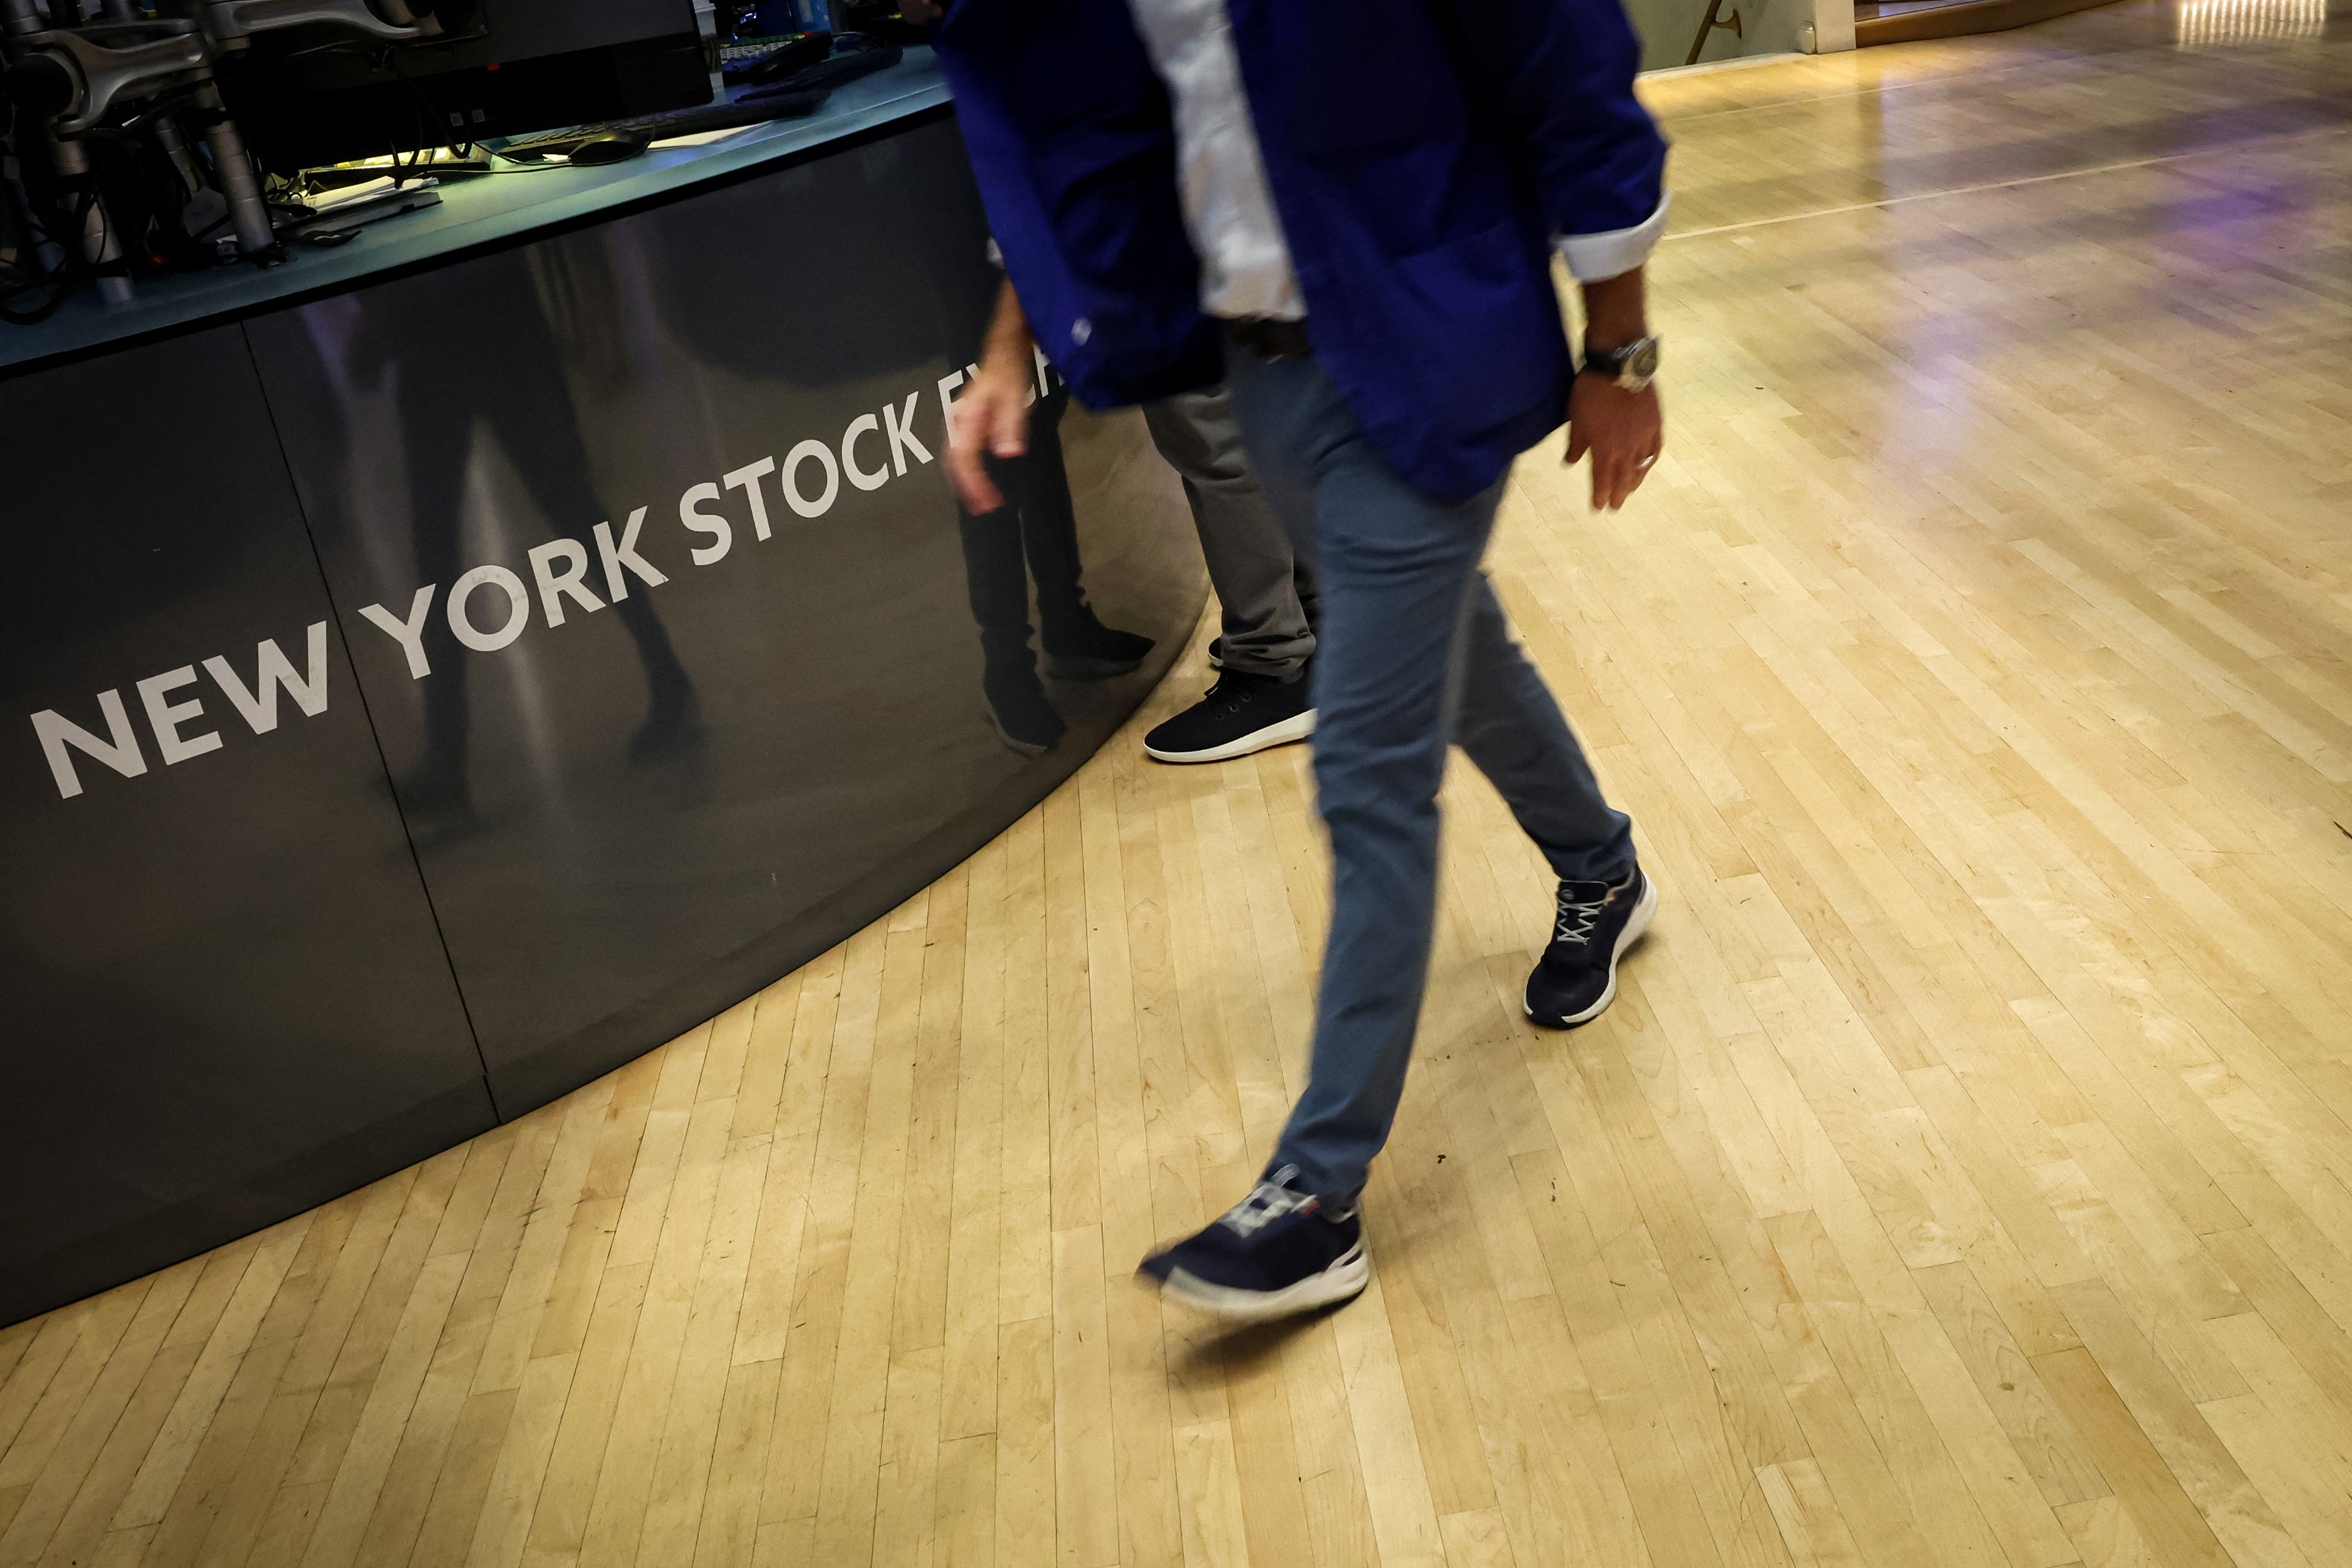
(703, 138)
(364, 190)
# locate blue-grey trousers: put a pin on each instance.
(1414, 653)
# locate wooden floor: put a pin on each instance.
(1960, 1181)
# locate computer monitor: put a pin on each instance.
(519, 66)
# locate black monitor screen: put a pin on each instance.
(519, 66)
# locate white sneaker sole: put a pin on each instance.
(1644, 912)
(1343, 1281)
(1272, 735)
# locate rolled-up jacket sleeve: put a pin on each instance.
(1612, 252)
(1560, 74)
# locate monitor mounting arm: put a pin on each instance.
(230, 23)
(73, 78)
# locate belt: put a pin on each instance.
(1270, 339)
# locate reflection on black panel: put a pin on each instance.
(680, 649)
(224, 997)
(636, 651)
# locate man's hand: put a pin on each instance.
(991, 418)
(1623, 430)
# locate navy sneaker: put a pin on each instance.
(1278, 1252)
(1576, 979)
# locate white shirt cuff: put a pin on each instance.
(1595, 258)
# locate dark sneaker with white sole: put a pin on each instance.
(1241, 714)
(1278, 1252)
(1576, 979)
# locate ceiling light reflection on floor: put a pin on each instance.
(2215, 23)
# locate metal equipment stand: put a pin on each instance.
(1708, 25)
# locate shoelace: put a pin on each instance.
(1577, 918)
(1229, 694)
(1269, 1201)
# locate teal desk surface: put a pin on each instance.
(483, 210)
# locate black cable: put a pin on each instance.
(111, 153)
(75, 267)
(427, 114)
(333, 47)
(70, 271)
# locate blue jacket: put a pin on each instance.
(1421, 153)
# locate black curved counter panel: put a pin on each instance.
(432, 676)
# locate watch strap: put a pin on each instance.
(1610, 362)
(1615, 363)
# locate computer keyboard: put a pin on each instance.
(774, 59)
(845, 66)
(675, 122)
(743, 51)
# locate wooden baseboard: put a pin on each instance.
(1958, 21)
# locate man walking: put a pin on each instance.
(1348, 207)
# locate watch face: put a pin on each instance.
(1643, 361)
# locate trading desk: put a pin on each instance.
(436, 670)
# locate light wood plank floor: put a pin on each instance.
(1960, 1179)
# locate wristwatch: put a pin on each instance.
(1632, 367)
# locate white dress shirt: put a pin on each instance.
(1245, 261)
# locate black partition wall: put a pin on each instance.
(427, 697)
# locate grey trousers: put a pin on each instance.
(1267, 590)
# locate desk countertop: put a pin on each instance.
(475, 211)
